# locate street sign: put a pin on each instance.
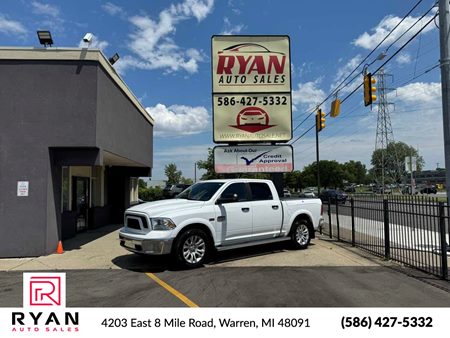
(252, 118)
(253, 159)
(410, 164)
(251, 64)
(23, 188)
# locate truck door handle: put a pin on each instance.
(245, 209)
(275, 207)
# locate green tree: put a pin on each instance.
(151, 194)
(172, 173)
(354, 172)
(294, 180)
(331, 174)
(393, 158)
(208, 165)
(185, 180)
(142, 184)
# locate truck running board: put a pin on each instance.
(252, 243)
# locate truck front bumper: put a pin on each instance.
(146, 246)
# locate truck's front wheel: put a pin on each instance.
(301, 235)
(192, 248)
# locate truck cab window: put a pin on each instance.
(260, 192)
(240, 189)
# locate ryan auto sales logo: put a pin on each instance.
(44, 289)
(44, 299)
(252, 120)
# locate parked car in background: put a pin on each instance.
(173, 190)
(307, 194)
(286, 193)
(428, 190)
(379, 189)
(333, 196)
(350, 188)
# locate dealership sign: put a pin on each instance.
(253, 159)
(251, 89)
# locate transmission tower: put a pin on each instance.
(384, 134)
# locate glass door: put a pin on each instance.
(80, 201)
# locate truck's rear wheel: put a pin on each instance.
(301, 234)
(192, 248)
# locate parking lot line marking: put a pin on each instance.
(174, 292)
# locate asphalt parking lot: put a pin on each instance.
(328, 274)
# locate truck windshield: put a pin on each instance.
(200, 191)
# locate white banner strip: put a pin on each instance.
(223, 322)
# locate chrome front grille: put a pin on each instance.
(137, 222)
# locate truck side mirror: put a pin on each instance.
(227, 199)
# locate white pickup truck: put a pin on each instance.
(219, 215)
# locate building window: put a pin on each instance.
(65, 189)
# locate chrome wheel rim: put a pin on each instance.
(194, 249)
(302, 234)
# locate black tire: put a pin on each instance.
(192, 248)
(300, 234)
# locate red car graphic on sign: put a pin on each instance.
(252, 120)
(252, 115)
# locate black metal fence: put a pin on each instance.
(412, 230)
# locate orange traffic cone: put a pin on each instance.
(59, 248)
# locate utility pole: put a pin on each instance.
(320, 125)
(195, 172)
(444, 35)
(317, 161)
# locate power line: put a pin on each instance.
(391, 57)
(368, 55)
(406, 31)
(422, 74)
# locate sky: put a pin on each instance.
(165, 59)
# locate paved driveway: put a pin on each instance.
(102, 274)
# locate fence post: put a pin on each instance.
(337, 219)
(444, 264)
(387, 240)
(329, 217)
(352, 205)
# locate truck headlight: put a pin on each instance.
(162, 224)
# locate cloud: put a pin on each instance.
(112, 9)
(419, 92)
(178, 120)
(45, 9)
(152, 40)
(229, 29)
(308, 94)
(403, 58)
(184, 156)
(234, 8)
(197, 8)
(50, 16)
(344, 71)
(370, 41)
(11, 27)
(96, 43)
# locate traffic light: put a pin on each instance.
(320, 120)
(335, 108)
(369, 90)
